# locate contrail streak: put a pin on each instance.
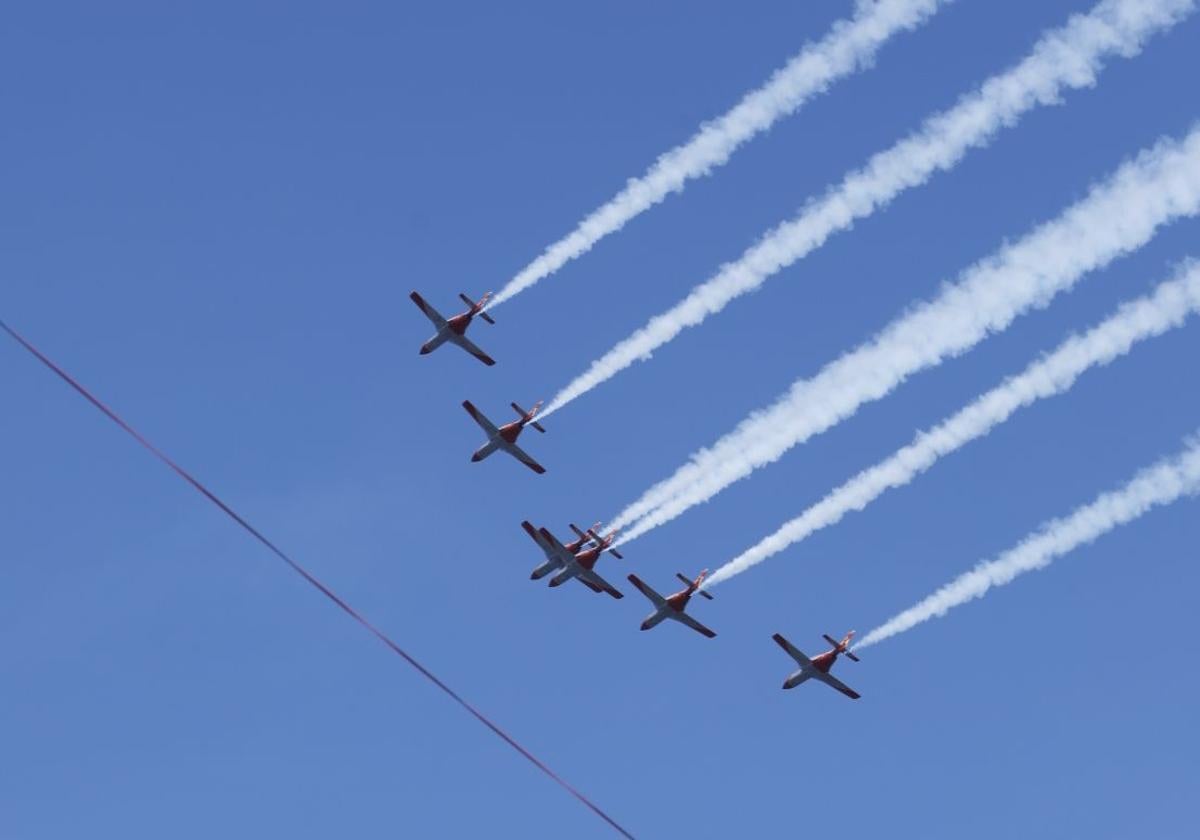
(850, 46)
(1116, 217)
(1166, 308)
(1064, 58)
(1158, 485)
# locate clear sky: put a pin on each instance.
(213, 214)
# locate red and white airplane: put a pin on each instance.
(673, 606)
(505, 437)
(553, 562)
(818, 667)
(582, 565)
(454, 330)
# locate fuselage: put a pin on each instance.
(553, 561)
(504, 437)
(459, 323)
(584, 560)
(680, 599)
(452, 330)
(588, 557)
(671, 607)
(509, 432)
(822, 662)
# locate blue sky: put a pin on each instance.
(213, 215)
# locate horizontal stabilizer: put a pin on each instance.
(476, 306)
(841, 646)
(689, 582)
(591, 532)
(528, 416)
(583, 535)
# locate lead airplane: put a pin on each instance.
(553, 562)
(673, 606)
(818, 667)
(582, 565)
(505, 437)
(454, 329)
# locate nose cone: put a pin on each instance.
(646, 625)
(425, 350)
(476, 457)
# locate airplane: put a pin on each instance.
(505, 437)
(673, 606)
(553, 562)
(818, 667)
(583, 564)
(454, 330)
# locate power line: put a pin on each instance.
(311, 579)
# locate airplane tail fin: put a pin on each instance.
(527, 416)
(477, 306)
(583, 535)
(605, 541)
(843, 646)
(695, 583)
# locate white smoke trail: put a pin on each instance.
(1116, 217)
(1064, 58)
(850, 46)
(1166, 308)
(1158, 485)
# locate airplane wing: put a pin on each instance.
(553, 546)
(834, 682)
(430, 313)
(594, 580)
(470, 346)
(539, 539)
(654, 597)
(695, 625)
(483, 422)
(520, 454)
(800, 658)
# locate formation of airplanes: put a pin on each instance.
(578, 558)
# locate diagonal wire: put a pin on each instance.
(311, 579)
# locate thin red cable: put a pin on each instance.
(308, 576)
